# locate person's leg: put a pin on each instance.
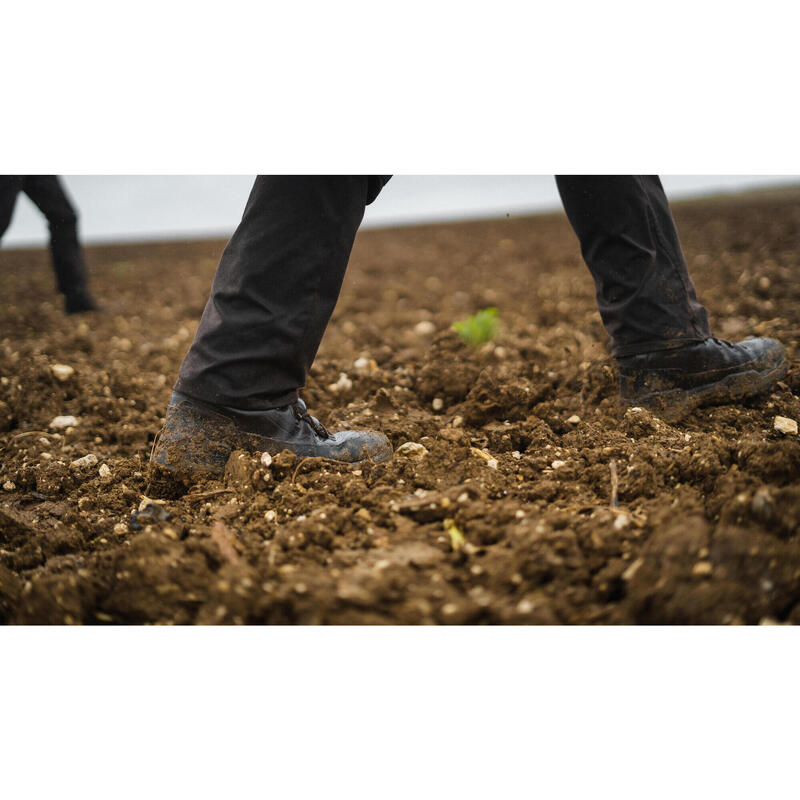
(49, 196)
(10, 187)
(628, 239)
(274, 292)
(275, 289)
(667, 357)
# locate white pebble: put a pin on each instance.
(558, 464)
(66, 421)
(271, 515)
(412, 450)
(104, 471)
(516, 455)
(266, 459)
(458, 421)
(344, 384)
(574, 419)
(621, 522)
(365, 366)
(424, 328)
(785, 425)
(62, 371)
(437, 404)
(492, 463)
(89, 460)
(9, 486)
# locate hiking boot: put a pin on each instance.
(79, 302)
(671, 383)
(198, 438)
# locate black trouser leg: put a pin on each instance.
(50, 198)
(628, 239)
(10, 187)
(275, 289)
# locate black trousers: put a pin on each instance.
(49, 196)
(280, 276)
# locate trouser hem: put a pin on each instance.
(209, 395)
(655, 346)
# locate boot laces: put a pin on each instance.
(301, 413)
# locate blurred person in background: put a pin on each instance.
(48, 195)
(280, 275)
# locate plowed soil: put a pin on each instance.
(504, 513)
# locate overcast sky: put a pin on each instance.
(143, 207)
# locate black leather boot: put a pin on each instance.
(198, 438)
(671, 383)
(80, 302)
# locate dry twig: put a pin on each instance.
(614, 483)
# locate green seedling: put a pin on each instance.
(479, 328)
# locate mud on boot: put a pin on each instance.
(198, 438)
(672, 383)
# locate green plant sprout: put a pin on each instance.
(479, 328)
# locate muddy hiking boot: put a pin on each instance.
(671, 383)
(198, 438)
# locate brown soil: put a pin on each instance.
(707, 526)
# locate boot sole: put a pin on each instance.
(672, 405)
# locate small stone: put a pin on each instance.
(88, 460)
(62, 372)
(437, 404)
(66, 421)
(344, 384)
(558, 464)
(458, 421)
(266, 460)
(271, 515)
(492, 463)
(482, 454)
(574, 420)
(785, 425)
(365, 366)
(525, 606)
(761, 504)
(500, 353)
(702, 569)
(120, 528)
(104, 471)
(424, 328)
(9, 486)
(412, 450)
(621, 522)
(519, 514)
